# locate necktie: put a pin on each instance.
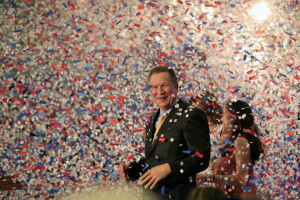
(160, 122)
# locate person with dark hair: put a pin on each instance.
(177, 143)
(206, 193)
(208, 103)
(7, 183)
(233, 173)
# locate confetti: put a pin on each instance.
(74, 79)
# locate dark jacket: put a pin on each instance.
(183, 142)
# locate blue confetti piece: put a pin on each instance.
(149, 87)
(246, 52)
(223, 149)
(65, 5)
(282, 75)
(232, 5)
(207, 43)
(83, 137)
(53, 191)
(221, 90)
(96, 176)
(12, 44)
(227, 141)
(246, 188)
(50, 145)
(137, 99)
(184, 89)
(124, 61)
(38, 92)
(191, 40)
(49, 13)
(162, 191)
(81, 94)
(50, 51)
(254, 181)
(40, 164)
(43, 102)
(80, 111)
(186, 151)
(23, 114)
(88, 67)
(253, 57)
(146, 167)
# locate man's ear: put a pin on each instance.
(176, 86)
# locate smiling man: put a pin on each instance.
(177, 144)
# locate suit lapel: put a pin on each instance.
(150, 128)
(171, 118)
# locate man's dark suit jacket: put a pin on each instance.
(183, 141)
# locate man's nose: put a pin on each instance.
(160, 90)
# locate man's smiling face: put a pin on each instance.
(163, 92)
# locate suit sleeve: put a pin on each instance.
(136, 170)
(196, 134)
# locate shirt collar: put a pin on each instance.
(169, 110)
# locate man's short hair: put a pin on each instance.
(160, 69)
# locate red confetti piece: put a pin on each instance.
(202, 16)
(113, 121)
(163, 54)
(290, 133)
(111, 97)
(231, 149)
(232, 115)
(239, 176)
(198, 154)
(99, 120)
(22, 153)
(131, 184)
(219, 32)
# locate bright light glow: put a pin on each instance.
(208, 10)
(260, 11)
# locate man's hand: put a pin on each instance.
(123, 168)
(154, 175)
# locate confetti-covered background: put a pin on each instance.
(74, 94)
